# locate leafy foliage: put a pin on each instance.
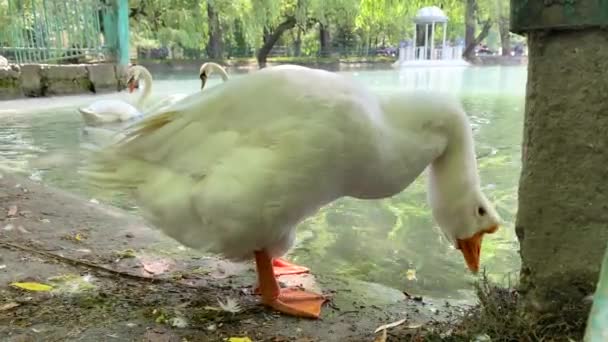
(354, 26)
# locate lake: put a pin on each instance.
(393, 241)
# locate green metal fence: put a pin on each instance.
(49, 31)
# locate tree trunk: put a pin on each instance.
(297, 43)
(469, 50)
(503, 28)
(271, 38)
(324, 40)
(563, 194)
(505, 38)
(469, 26)
(215, 48)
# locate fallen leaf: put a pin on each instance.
(127, 253)
(155, 266)
(382, 337)
(75, 237)
(179, 322)
(239, 339)
(8, 306)
(31, 286)
(12, 211)
(411, 274)
(22, 230)
(390, 325)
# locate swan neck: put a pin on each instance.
(147, 78)
(222, 73)
(214, 67)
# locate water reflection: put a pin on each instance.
(370, 240)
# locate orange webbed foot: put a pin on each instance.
(297, 302)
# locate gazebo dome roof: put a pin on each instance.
(429, 15)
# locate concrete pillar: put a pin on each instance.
(562, 219)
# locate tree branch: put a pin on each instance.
(289, 23)
(469, 52)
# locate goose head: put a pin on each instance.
(464, 220)
(461, 210)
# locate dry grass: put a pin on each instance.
(498, 318)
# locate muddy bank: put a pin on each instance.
(113, 278)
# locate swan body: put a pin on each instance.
(111, 111)
(108, 111)
(240, 166)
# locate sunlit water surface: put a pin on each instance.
(392, 241)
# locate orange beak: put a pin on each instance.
(471, 248)
(131, 85)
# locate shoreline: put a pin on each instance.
(111, 274)
(51, 80)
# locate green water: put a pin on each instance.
(376, 241)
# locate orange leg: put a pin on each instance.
(291, 301)
(281, 267)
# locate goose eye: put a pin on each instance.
(481, 211)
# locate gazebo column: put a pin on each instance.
(415, 38)
(433, 40)
(426, 40)
(443, 47)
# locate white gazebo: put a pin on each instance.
(427, 54)
(429, 17)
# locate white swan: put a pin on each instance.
(207, 69)
(110, 111)
(239, 166)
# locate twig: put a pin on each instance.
(77, 262)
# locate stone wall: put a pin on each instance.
(503, 60)
(35, 80)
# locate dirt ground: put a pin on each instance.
(115, 279)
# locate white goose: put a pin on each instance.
(111, 111)
(241, 165)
